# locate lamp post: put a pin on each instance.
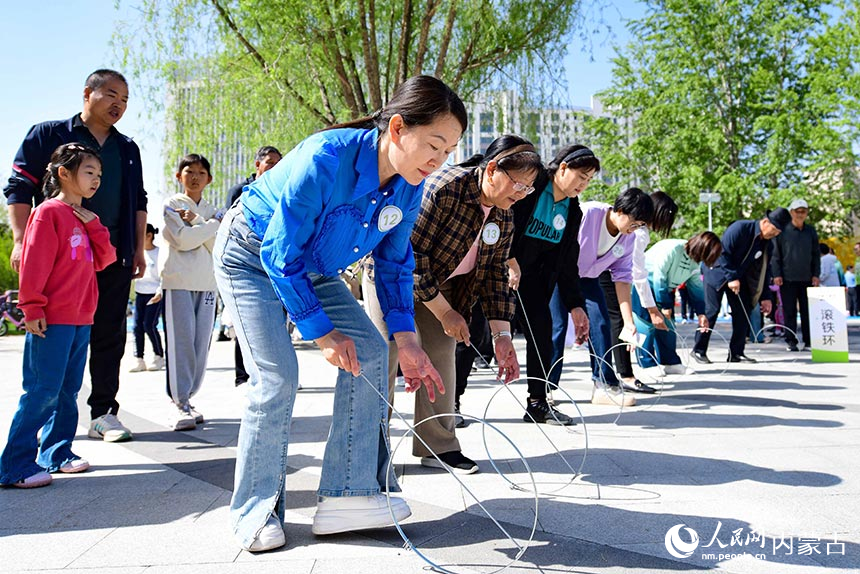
(710, 199)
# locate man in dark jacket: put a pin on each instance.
(742, 273)
(795, 266)
(267, 157)
(121, 206)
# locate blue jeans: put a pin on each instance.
(559, 334)
(659, 343)
(53, 373)
(357, 451)
(146, 323)
(599, 333)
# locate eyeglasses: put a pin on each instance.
(637, 225)
(519, 187)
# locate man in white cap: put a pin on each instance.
(795, 266)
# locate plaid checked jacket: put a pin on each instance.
(449, 221)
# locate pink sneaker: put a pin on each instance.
(73, 466)
(35, 481)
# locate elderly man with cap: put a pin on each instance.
(795, 266)
(742, 273)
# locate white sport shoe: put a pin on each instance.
(270, 537)
(611, 395)
(678, 369)
(156, 365)
(139, 366)
(198, 418)
(347, 513)
(181, 419)
(73, 466)
(108, 428)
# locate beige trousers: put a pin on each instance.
(439, 434)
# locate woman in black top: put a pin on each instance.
(544, 254)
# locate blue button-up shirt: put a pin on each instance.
(318, 211)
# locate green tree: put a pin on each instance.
(8, 278)
(258, 71)
(747, 99)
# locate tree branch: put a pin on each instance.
(405, 41)
(421, 50)
(446, 39)
(370, 50)
(291, 90)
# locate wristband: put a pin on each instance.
(502, 334)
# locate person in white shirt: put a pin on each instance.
(147, 308)
(829, 275)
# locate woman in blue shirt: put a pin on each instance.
(338, 195)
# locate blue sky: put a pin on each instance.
(46, 53)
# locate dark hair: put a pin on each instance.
(193, 158)
(665, 210)
(266, 150)
(151, 229)
(635, 203)
(420, 100)
(517, 154)
(69, 156)
(824, 248)
(704, 247)
(576, 156)
(98, 78)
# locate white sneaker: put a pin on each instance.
(347, 513)
(108, 428)
(678, 369)
(156, 365)
(73, 466)
(140, 366)
(181, 419)
(611, 395)
(270, 537)
(198, 418)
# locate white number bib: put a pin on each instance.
(491, 233)
(618, 251)
(559, 222)
(389, 217)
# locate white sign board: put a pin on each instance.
(828, 324)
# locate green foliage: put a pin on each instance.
(757, 101)
(242, 73)
(8, 278)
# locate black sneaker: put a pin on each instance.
(459, 421)
(453, 460)
(792, 348)
(543, 413)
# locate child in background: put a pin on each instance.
(188, 283)
(147, 307)
(64, 246)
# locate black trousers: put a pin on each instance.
(533, 300)
(620, 355)
(481, 339)
(740, 306)
(107, 338)
(794, 293)
(241, 374)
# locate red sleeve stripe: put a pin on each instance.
(21, 171)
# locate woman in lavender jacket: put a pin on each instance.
(606, 241)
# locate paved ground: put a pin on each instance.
(769, 448)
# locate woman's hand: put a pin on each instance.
(580, 324)
(416, 366)
(703, 324)
(506, 357)
(657, 318)
(514, 273)
(455, 326)
(36, 327)
(339, 350)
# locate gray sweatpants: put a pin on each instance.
(189, 317)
